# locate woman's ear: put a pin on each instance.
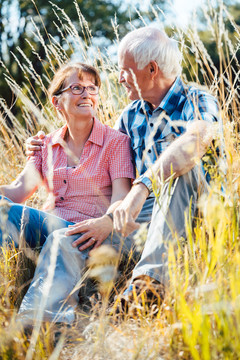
(55, 101)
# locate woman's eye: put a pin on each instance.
(76, 87)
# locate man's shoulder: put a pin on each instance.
(128, 115)
(196, 90)
(133, 106)
(113, 134)
(199, 102)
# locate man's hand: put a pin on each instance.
(126, 214)
(34, 143)
(93, 230)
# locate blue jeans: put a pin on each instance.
(60, 267)
(168, 223)
(19, 222)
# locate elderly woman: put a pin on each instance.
(85, 165)
(87, 169)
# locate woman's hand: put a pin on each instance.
(94, 230)
(34, 143)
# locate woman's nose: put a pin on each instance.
(85, 93)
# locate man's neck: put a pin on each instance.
(160, 91)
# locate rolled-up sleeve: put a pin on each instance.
(121, 162)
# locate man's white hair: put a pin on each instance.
(150, 44)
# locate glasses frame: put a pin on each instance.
(84, 88)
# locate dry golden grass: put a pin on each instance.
(200, 316)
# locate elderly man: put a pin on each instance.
(163, 109)
(169, 124)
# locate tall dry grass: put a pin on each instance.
(200, 316)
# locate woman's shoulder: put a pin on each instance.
(54, 136)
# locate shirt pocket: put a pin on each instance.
(138, 148)
(162, 144)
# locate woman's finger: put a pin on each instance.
(76, 230)
(81, 239)
(91, 242)
(97, 244)
(84, 222)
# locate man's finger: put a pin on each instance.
(29, 153)
(41, 134)
(31, 147)
(130, 228)
(119, 220)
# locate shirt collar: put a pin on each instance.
(146, 107)
(59, 135)
(171, 99)
(97, 133)
(168, 103)
(96, 136)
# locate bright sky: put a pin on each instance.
(183, 9)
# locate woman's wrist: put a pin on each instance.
(110, 215)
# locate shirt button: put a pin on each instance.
(151, 124)
(149, 151)
(61, 198)
(65, 181)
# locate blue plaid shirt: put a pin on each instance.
(151, 131)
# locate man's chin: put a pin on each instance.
(133, 96)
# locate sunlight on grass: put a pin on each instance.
(200, 316)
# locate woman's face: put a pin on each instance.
(71, 105)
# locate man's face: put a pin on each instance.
(135, 81)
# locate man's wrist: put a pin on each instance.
(140, 191)
(144, 180)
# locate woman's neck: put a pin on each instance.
(77, 136)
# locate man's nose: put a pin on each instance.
(121, 77)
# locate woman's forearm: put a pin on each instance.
(23, 187)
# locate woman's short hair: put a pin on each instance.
(150, 44)
(58, 81)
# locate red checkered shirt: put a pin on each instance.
(84, 191)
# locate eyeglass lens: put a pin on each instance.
(79, 89)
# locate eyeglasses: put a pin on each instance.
(78, 89)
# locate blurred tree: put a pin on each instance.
(216, 48)
(28, 27)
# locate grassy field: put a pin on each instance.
(200, 316)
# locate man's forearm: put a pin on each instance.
(184, 153)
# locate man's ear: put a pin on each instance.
(153, 68)
(55, 101)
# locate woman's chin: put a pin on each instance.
(86, 112)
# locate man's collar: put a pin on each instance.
(171, 99)
(95, 137)
(169, 102)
